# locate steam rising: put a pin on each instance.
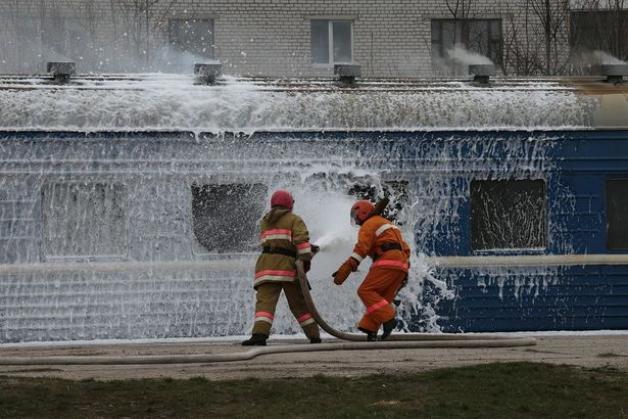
(602, 57)
(466, 57)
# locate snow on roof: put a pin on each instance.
(179, 102)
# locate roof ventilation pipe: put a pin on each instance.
(208, 72)
(482, 73)
(61, 71)
(347, 73)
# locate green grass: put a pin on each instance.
(515, 390)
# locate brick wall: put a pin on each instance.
(252, 37)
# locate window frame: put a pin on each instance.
(511, 250)
(330, 39)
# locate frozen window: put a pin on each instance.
(395, 190)
(508, 214)
(194, 36)
(482, 36)
(84, 219)
(603, 30)
(617, 213)
(331, 41)
(225, 216)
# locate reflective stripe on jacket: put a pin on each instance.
(281, 229)
(375, 232)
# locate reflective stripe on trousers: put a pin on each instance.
(377, 306)
(306, 319)
(274, 275)
(264, 316)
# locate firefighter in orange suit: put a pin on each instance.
(285, 239)
(382, 241)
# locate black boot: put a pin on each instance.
(389, 326)
(370, 336)
(315, 340)
(257, 339)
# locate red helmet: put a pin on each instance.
(361, 211)
(282, 198)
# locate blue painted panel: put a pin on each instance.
(575, 165)
(581, 298)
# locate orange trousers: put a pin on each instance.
(377, 292)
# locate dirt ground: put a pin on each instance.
(586, 351)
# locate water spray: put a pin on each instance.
(356, 342)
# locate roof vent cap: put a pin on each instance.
(347, 73)
(614, 73)
(61, 70)
(208, 72)
(482, 72)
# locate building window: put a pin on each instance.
(27, 44)
(332, 41)
(193, 36)
(482, 36)
(508, 214)
(84, 219)
(54, 36)
(225, 217)
(603, 30)
(617, 213)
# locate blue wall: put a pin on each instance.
(575, 166)
(439, 167)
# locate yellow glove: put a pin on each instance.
(343, 272)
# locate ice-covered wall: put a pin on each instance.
(64, 301)
(163, 102)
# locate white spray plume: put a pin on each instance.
(464, 56)
(169, 59)
(330, 226)
(601, 57)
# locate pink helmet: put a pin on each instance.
(361, 211)
(282, 198)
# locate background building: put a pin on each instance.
(396, 38)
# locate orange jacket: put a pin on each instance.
(378, 231)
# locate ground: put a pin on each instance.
(497, 390)
(585, 351)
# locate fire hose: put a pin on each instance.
(355, 342)
(405, 337)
